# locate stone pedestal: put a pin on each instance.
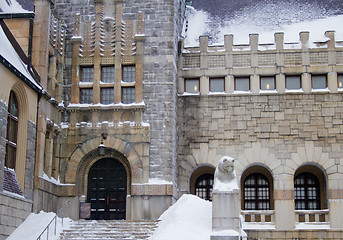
(226, 216)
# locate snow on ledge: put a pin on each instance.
(54, 181)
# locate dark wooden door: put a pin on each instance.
(107, 190)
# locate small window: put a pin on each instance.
(242, 84)
(107, 74)
(217, 84)
(256, 192)
(267, 83)
(307, 196)
(340, 81)
(129, 73)
(319, 82)
(12, 132)
(293, 82)
(128, 95)
(107, 95)
(87, 74)
(192, 85)
(86, 95)
(204, 186)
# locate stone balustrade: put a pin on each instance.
(312, 216)
(264, 216)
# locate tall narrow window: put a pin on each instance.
(129, 73)
(340, 81)
(87, 74)
(217, 84)
(242, 83)
(256, 192)
(107, 95)
(293, 82)
(128, 95)
(204, 186)
(107, 74)
(267, 83)
(319, 82)
(86, 95)
(12, 132)
(307, 196)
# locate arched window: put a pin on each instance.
(256, 192)
(204, 186)
(12, 132)
(307, 192)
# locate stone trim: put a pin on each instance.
(284, 194)
(152, 189)
(335, 194)
(57, 190)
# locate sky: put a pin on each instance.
(265, 17)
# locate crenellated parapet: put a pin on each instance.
(255, 60)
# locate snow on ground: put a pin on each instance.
(34, 225)
(189, 212)
(248, 21)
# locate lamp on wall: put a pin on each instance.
(101, 146)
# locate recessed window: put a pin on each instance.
(256, 192)
(307, 196)
(86, 95)
(107, 74)
(12, 132)
(319, 82)
(340, 81)
(217, 85)
(293, 82)
(87, 74)
(204, 186)
(128, 95)
(267, 83)
(192, 85)
(107, 95)
(129, 73)
(242, 83)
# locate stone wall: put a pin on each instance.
(30, 160)
(13, 211)
(279, 131)
(162, 26)
(3, 122)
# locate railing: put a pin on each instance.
(264, 216)
(54, 220)
(312, 216)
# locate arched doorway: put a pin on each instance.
(107, 189)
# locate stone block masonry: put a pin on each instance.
(13, 211)
(277, 126)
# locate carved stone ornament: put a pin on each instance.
(225, 178)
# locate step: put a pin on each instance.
(105, 229)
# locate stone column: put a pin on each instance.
(335, 196)
(284, 202)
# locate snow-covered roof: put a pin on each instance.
(12, 60)
(16, 6)
(217, 18)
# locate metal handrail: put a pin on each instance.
(46, 229)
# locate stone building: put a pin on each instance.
(128, 119)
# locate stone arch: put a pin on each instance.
(23, 118)
(310, 155)
(89, 149)
(197, 172)
(91, 158)
(257, 155)
(260, 169)
(321, 175)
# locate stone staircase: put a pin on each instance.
(102, 229)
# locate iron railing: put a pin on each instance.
(54, 221)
